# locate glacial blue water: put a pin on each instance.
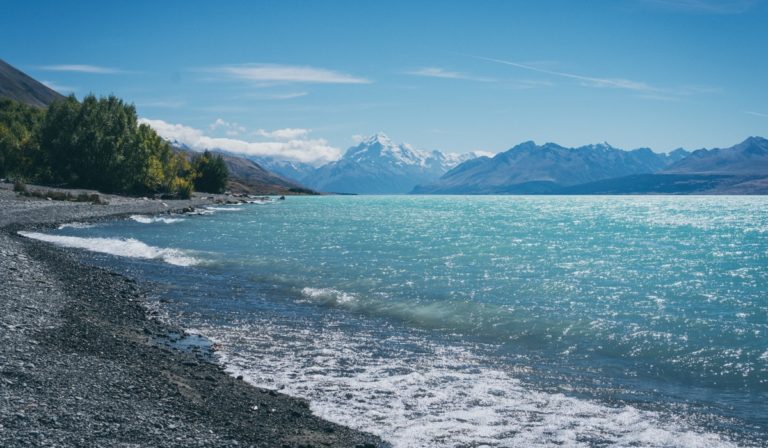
(479, 321)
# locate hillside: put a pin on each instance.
(17, 86)
(247, 176)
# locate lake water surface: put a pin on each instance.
(471, 321)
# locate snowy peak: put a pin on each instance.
(378, 165)
(377, 138)
(379, 148)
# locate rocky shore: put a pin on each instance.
(84, 363)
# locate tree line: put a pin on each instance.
(99, 144)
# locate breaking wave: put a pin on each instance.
(128, 247)
(152, 219)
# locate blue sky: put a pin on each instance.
(306, 78)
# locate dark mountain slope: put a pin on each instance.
(17, 86)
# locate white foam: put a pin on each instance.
(224, 209)
(129, 247)
(152, 219)
(424, 394)
(76, 225)
(328, 295)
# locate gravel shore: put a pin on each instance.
(84, 363)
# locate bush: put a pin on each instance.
(19, 186)
(181, 188)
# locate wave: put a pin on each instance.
(328, 296)
(224, 209)
(76, 225)
(144, 219)
(415, 393)
(128, 247)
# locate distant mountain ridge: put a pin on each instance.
(532, 168)
(378, 166)
(290, 169)
(601, 169)
(749, 157)
(18, 86)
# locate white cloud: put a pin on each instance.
(312, 151)
(437, 72)
(284, 134)
(286, 73)
(757, 114)
(230, 128)
(81, 68)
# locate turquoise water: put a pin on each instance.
(463, 321)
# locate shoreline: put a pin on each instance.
(84, 362)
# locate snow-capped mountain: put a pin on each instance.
(379, 166)
(290, 169)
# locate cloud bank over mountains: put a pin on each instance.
(291, 144)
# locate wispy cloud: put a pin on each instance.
(642, 89)
(437, 72)
(618, 83)
(267, 73)
(82, 68)
(58, 87)
(705, 6)
(313, 151)
(284, 134)
(757, 114)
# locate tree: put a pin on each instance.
(96, 143)
(19, 148)
(211, 172)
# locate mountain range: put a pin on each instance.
(378, 166)
(602, 169)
